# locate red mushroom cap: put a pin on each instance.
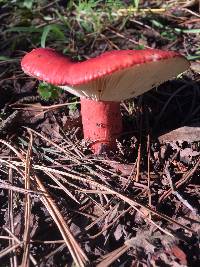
(112, 76)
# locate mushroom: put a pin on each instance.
(104, 81)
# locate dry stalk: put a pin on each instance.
(27, 212)
(148, 172)
(182, 181)
(131, 202)
(62, 186)
(176, 193)
(77, 253)
(52, 253)
(112, 223)
(13, 258)
(67, 153)
(138, 164)
(32, 107)
(7, 186)
(19, 155)
(34, 262)
(109, 258)
(8, 250)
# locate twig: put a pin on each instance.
(5, 124)
(112, 223)
(131, 10)
(60, 248)
(27, 213)
(77, 253)
(13, 258)
(113, 256)
(125, 37)
(20, 244)
(148, 172)
(8, 249)
(138, 164)
(131, 202)
(184, 179)
(176, 193)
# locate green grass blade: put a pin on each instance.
(51, 28)
(29, 29)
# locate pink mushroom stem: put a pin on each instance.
(102, 123)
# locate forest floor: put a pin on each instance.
(60, 204)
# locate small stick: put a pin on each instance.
(176, 193)
(148, 172)
(27, 209)
(19, 243)
(13, 258)
(140, 140)
(138, 164)
(183, 180)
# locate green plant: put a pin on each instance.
(49, 91)
(88, 16)
(2, 115)
(28, 3)
(136, 3)
(53, 31)
(74, 103)
(94, 16)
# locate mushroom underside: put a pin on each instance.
(130, 82)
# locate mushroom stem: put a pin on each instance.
(102, 124)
